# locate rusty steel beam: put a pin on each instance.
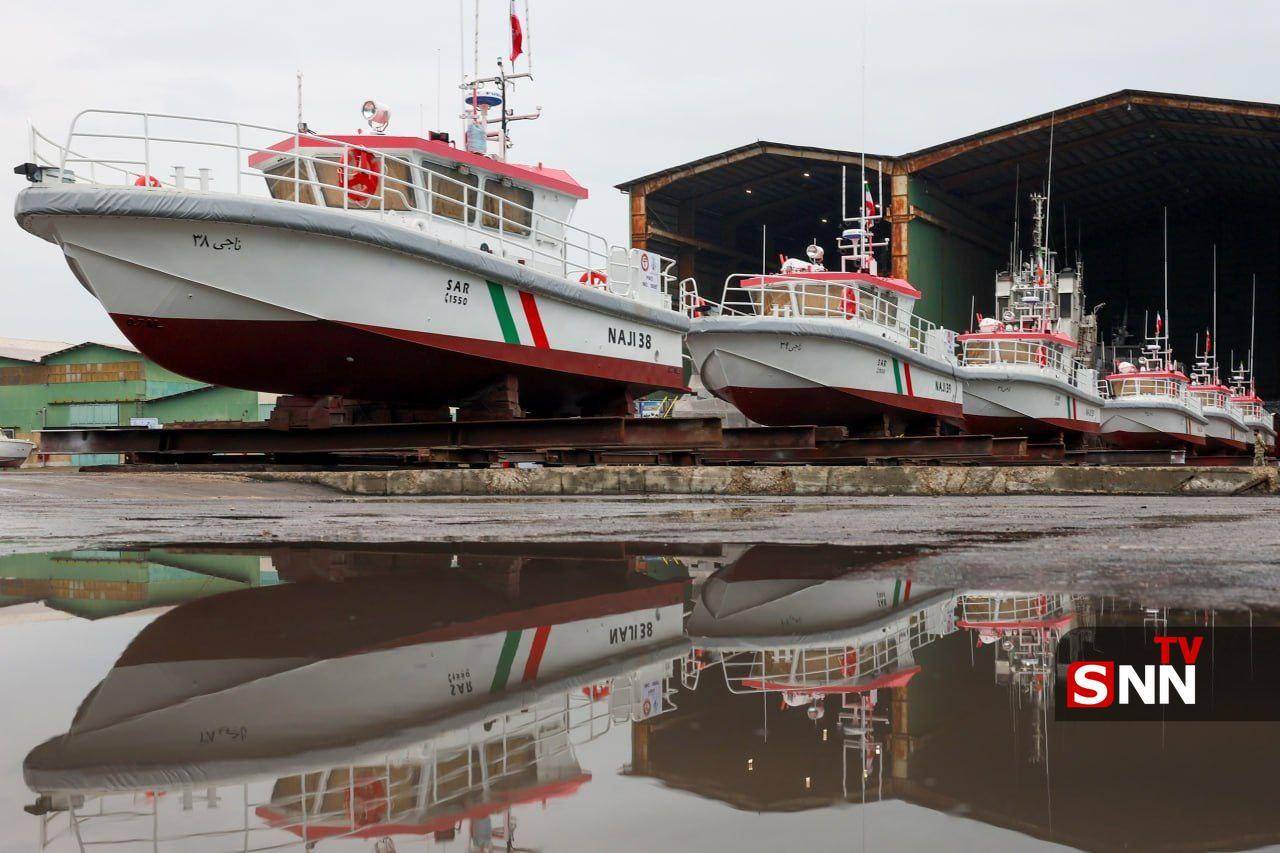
(949, 182)
(923, 160)
(1126, 457)
(736, 438)
(590, 433)
(900, 215)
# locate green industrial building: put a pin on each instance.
(47, 385)
(98, 584)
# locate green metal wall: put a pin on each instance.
(159, 393)
(951, 272)
(96, 584)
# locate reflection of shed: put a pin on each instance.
(1105, 786)
(1117, 160)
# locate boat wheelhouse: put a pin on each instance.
(1023, 374)
(807, 345)
(375, 267)
(1149, 405)
(1225, 429)
(1260, 422)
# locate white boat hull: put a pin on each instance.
(1137, 423)
(1003, 402)
(1226, 431)
(778, 377)
(303, 310)
(14, 452)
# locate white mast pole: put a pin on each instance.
(1215, 309)
(865, 249)
(528, 37)
(476, 43)
(1167, 337)
(1253, 320)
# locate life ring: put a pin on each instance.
(596, 692)
(359, 176)
(366, 799)
(849, 666)
(147, 181)
(595, 278)
(849, 302)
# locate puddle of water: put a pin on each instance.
(503, 695)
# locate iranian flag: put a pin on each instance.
(868, 203)
(517, 34)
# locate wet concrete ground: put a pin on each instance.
(1206, 551)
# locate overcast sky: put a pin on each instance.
(627, 88)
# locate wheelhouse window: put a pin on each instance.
(452, 194)
(510, 206)
(395, 185)
(285, 180)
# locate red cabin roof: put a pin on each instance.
(897, 285)
(556, 180)
(1151, 374)
(1050, 337)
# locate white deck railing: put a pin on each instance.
(779, 296)
(159, 149)
(1149, 386)
(996, 352)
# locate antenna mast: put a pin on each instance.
(1167, 325)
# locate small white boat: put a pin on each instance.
(13, 451)
(278, 677)
(372, 266)
(1021, 372)
(808, 345)
(1225, 430)
(1244, 394)
(1149, 406)
(1257, 419)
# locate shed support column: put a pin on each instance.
(639, 219)
(900, 738)
(899, 217)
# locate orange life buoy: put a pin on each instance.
(147, 181)
(367, 800)
(359, 176)
(596, 692)
(849, 302)
(595, 278)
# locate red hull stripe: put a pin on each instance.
(980, 425)
(535, 653)
(535, 320)
(606, 367)
(906, 370)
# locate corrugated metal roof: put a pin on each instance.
(25, 349)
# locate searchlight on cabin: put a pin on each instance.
(376, 115)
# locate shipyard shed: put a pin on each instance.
(46, 385)
(1118, 162)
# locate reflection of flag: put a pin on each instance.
(517, 34)
(868, 203)
(1159, 324)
